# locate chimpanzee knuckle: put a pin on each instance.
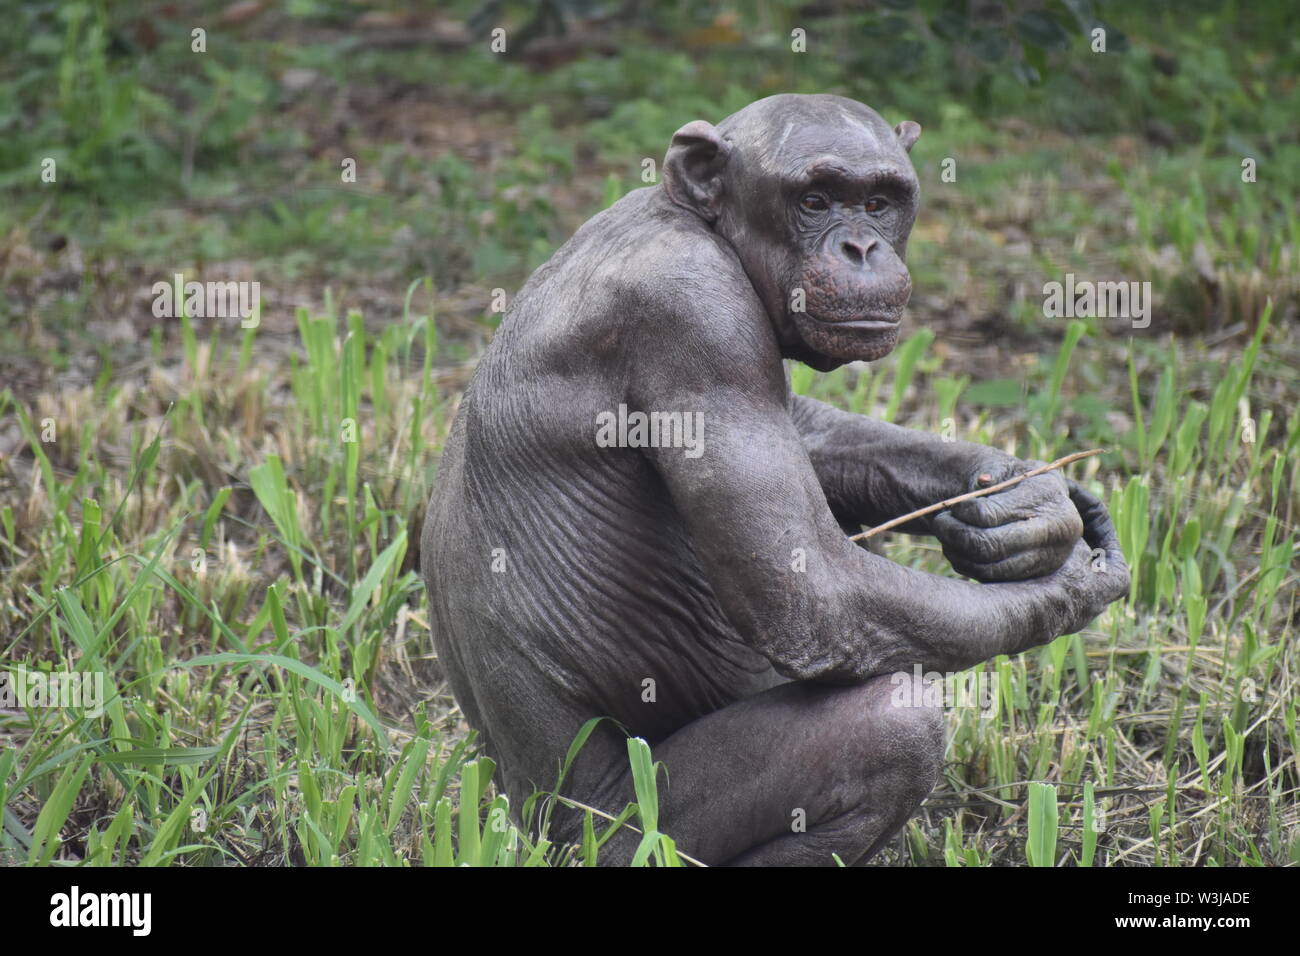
(967, 568)
(947, 529)
(1050, 560)
(1071, 575)
(1057, 532)
(1015, 507)
(982, 573)
(1072, 523)
(1035, 488)
(1029, 503)
(965, 511)
(1106, 588)
(1061, 555)
(1021, 498)
(1018, 567)
(964, 541)
(1052, 496)
(1040, 562)
(984, 547)
(954, 555)
(998, 469)
(982, 512)
(1051, 484)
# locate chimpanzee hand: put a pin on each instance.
(1096, 573)
(1026, 531)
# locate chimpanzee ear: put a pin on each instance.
(908, 133)
(693, 168)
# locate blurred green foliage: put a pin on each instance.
(162, 151)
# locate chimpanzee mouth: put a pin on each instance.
(866, 323)
(866, 336)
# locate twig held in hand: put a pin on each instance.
(1000, 486)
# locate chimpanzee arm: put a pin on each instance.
(872, 471)
(790, 582)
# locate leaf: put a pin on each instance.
(643, 778)
(45, 835)
(159, 756)
(1089, 825)
(1043, 822)
(361, 594)
(357, 706)
(998, 391)
(442, 849)
(414, 764)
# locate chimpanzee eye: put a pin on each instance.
(814, 202)
(875, 204)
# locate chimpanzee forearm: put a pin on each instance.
(845, 614)
(872, 471)
(876, 617)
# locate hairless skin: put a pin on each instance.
(565, 576)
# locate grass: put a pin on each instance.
(243, 718)
(239, 725)
(223, 521)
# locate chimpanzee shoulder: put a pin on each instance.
(648, 278)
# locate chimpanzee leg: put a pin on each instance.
(794, 774)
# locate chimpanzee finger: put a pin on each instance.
(1035, 563)
(1098, 529)
(1017, 503)
(1052, 531)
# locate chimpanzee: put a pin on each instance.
(635, 518)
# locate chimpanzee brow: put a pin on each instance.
(841, 176)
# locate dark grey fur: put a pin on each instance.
(771, 690)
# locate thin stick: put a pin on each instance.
(939, 506)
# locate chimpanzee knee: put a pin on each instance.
(892, 742)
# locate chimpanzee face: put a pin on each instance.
(817, 197)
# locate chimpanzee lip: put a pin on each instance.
(863, 323)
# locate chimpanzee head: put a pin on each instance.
(817, 196)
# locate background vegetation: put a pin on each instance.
(196, 527)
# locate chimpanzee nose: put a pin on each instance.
(856, 250)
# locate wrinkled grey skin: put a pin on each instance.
(772, 698)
